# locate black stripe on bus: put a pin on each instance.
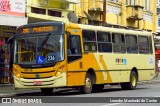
(113, 70)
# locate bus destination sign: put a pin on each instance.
(38, 29)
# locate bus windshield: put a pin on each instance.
(40, 48)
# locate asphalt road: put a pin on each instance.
(150, 93)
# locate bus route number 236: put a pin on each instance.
(50, 58)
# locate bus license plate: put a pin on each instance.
(37, 82)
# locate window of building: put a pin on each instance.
(158, 22)
(118, 43)
(54, 13)
(143, 45)
(89, 40)
(131, 44)
(158, 11)
(158, 3)
(104, 42)
(38, 10)
(115, 1)
(131, 2)
(147, 5)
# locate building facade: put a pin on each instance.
(158, 13)
(136, 14)
(47, 10)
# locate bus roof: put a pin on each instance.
(42, 23)
(91, 27)
(109, 29)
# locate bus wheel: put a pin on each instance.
(47, 91)
(87, 88)
(132, 84)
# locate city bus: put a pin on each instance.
(50, 55)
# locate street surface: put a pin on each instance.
(145, 90)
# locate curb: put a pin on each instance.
(151, 82)
(7, 95)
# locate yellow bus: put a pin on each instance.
(49, 55)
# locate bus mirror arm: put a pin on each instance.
(68, 33)
(10, 39)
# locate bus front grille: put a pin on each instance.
(37, 75)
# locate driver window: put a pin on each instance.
(74, 48)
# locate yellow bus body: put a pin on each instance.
(107, 70)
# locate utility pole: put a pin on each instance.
(104, 12)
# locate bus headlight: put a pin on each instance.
(17, 74)
(60, 71)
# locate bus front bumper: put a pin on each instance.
(51, 82)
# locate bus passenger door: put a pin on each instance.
(74, 60)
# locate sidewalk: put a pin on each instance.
(7, 90)
(154, 80)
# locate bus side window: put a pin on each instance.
(74, 48)
(131, 44)
(104, 41)
(118, 43)
(143, 44)
(89, 40)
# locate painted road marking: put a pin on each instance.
(111, 104)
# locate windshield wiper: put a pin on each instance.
(27, 43)
(44, 42)
(45, 39)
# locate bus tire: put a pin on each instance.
(87, 88)
(132, 84)
(47, 91)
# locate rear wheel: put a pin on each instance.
(132, 84)
(87, 88)
(47, 91)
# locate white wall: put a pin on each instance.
(12, 20)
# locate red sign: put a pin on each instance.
(12, 7)
(4, 5)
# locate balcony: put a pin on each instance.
(68, 1)
(99, 10)
(134, 12)
(95, 6)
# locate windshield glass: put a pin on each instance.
(39, 49)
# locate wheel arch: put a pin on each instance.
(93, 74)
(136, 71)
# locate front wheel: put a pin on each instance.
(47, 91)
(87, 88)
(132, 84)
